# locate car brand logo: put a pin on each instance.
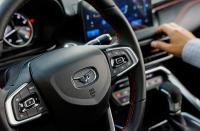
(84, 77)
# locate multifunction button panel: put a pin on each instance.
(25, 104)
(121, 60)
(121, 93)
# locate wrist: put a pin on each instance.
(190, 51)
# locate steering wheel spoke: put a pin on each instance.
(110, 120)
(121, 60)
(24, 103)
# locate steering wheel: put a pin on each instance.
(73, 85)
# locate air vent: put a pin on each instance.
(152, 56)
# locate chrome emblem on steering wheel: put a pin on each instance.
(85, 77)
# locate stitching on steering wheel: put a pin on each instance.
(132, 103)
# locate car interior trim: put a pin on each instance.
(10, 112)
(159, 60)
(168, 4)
(186, 93)
(157, 125)
(132, 55)
(185, 9)
(110, 118)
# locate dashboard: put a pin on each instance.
(42, 26)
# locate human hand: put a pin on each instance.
(178, 38)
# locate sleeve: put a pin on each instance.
(191, 52)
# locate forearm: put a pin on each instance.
(191, 52)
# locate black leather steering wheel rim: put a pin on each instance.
(111, 13)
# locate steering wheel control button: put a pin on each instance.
(41, 108)
(30, 102)
(121, 93)
(124, 100)
(18, 114)
(17, 98)
(118, 61)
(26, 104)
(122, 96)
(21, 116)
(32, 112)
(32, 89)
(24, 93)
(121, 60)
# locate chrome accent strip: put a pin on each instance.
(121, 81)
(110, 119)
(10, 112)
(159, 60)
(119, 127)
(193, 119)
(159, 68)
(157, 125)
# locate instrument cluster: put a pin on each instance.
(31, 30)
(20, 31)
